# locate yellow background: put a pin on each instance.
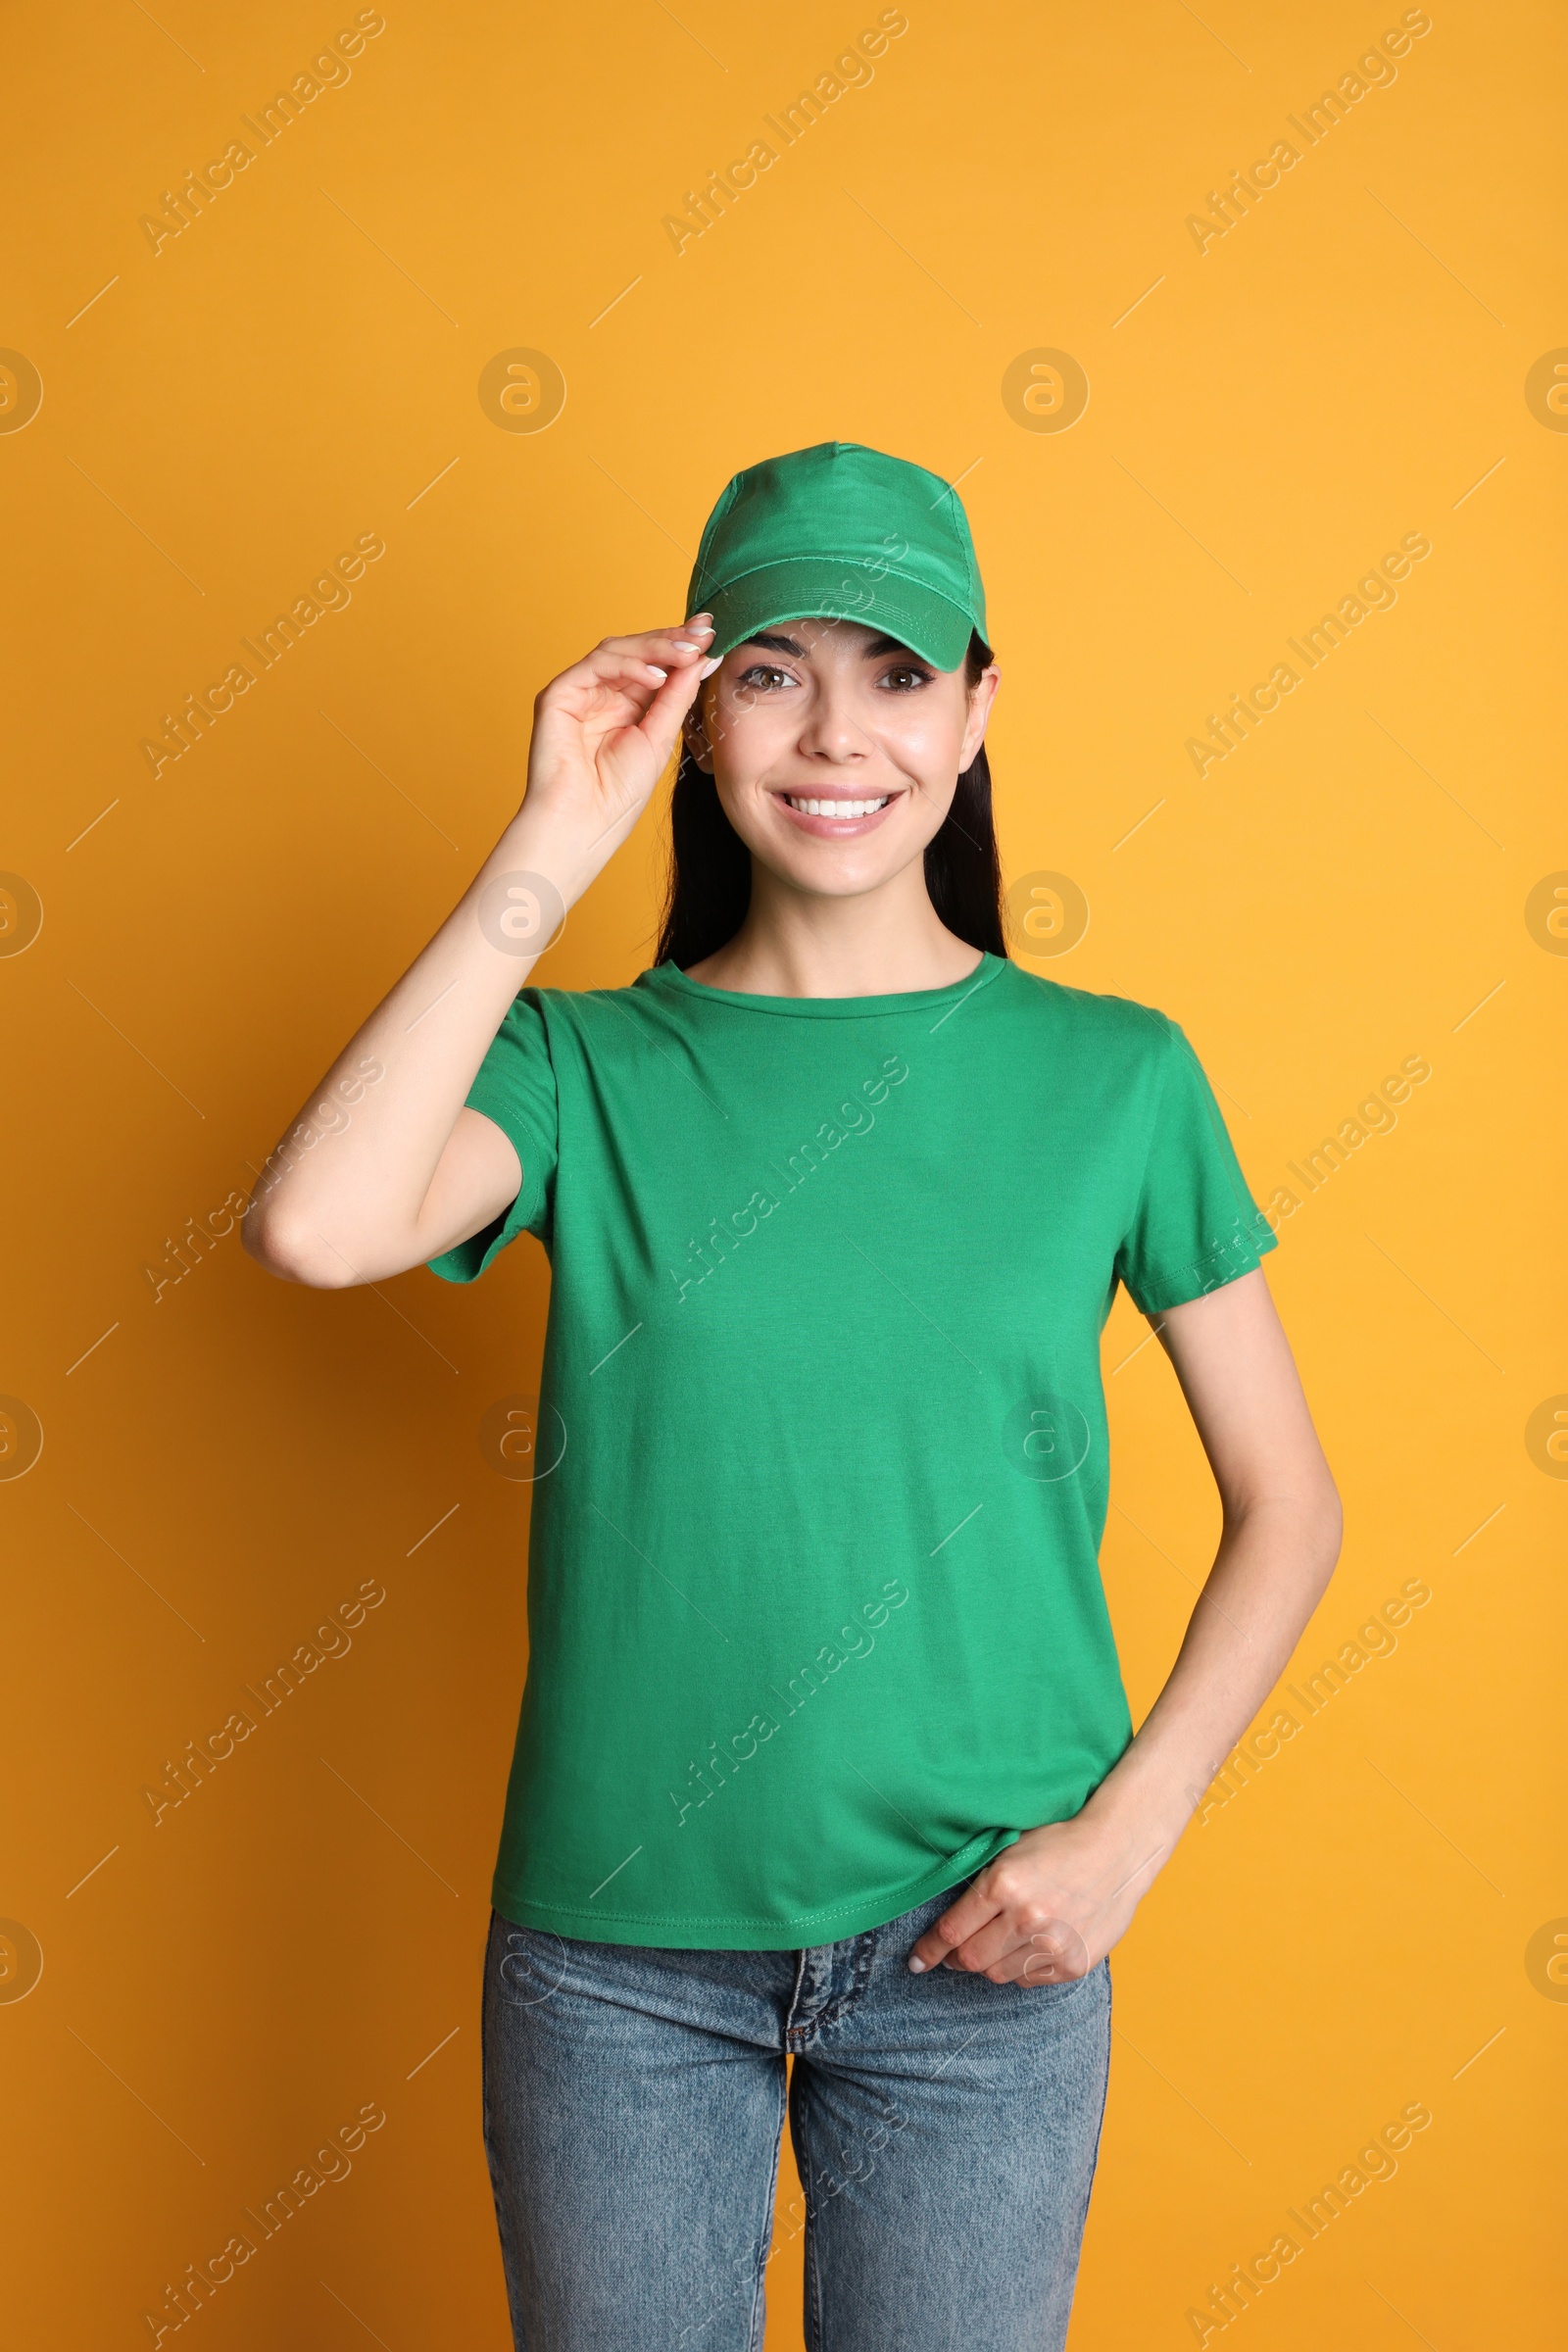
(235, 1457)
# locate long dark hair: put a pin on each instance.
(709, 885)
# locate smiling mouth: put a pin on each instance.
(840, 806)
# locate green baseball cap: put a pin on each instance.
(841, 532)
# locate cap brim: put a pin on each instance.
(835, 588)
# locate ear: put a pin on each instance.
(695, 736)
(982, 695)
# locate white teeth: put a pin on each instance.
(837, 808)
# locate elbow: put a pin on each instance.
(295, 1253)
(1307, 1516)
(1320, 1518)
(1331, 1527)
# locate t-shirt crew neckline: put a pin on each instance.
(831, 1008)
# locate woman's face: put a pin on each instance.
(835, 750)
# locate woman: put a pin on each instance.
(824, 1751)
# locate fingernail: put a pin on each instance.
(701, 621)
(684, 644)
(710, 665)
(654, 672)
(917, 1967)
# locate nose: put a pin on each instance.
(832, 732)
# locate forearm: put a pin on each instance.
(380, 1170)
(341, 1197)
(1062, 1895)
(1273, 1563)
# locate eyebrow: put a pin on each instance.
(776, 643)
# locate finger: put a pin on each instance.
(688, 642)
(1010, 1951)
(1020, 1967)
(954, 1928)
(1056, 1954)
(660, 724)
(631, 668)
(982, 1951)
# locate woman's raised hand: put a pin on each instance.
(413, 1171)
(603, 730)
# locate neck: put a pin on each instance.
(883, 943)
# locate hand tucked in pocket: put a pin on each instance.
(1046, 1910)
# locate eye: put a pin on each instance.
(761, 676)
(905, 677)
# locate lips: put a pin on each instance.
(835, 816)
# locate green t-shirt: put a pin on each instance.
(815, 1617)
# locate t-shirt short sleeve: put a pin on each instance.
(515, 1086)
(1195, 1225)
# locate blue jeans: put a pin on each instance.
(946, 2131)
